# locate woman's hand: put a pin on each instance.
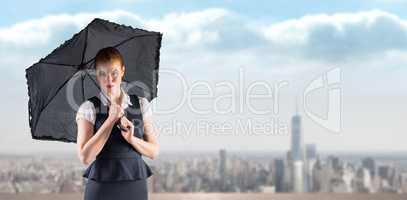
(115, 112)
(129, 129)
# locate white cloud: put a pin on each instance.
(321, 37)
(44, 30)
(211, 44)
(190, 28)
(220, 38)
(213, 27)
(339, 36)
(186, 28)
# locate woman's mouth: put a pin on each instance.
(109, 86)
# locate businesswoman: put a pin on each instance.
(114, 135)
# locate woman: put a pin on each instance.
(117, 170)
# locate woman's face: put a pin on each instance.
(109, 75)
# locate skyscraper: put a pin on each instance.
(279, 175)
(222, 169)
(369, 164)
(311, 159)
(297, 153)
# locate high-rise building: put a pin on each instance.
(297, 154)
(279, 175)
(311, 159)
(311, 151)
(369, 164)
(297, 141)
(222, 169)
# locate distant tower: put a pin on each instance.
(279, 174)
(311, 159)
(369, 164)
(222, 169)
(297, 153)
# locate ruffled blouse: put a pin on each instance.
(87, 110)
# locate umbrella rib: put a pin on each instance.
(124, 41)
(61, 64)
(83, 54)
(83, 88)
(86, 46)
(81, 65)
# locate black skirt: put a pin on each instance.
(116, 190)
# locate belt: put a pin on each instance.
(126, 154)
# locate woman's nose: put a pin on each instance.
(110, 79)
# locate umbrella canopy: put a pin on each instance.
(65, 78)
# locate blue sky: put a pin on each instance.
(211, 42)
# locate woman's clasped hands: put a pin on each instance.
(116, 113)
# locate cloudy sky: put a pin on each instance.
(353, 53)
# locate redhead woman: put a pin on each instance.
(114, 131)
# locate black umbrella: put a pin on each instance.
(65, 78)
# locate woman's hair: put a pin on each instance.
(109, 55)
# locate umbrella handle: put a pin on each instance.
(120, 127)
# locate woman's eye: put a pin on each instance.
(115, 73)
(101, 73)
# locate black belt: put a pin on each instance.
(126, 154)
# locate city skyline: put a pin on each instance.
(221, 172)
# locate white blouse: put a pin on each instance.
(87, 109)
